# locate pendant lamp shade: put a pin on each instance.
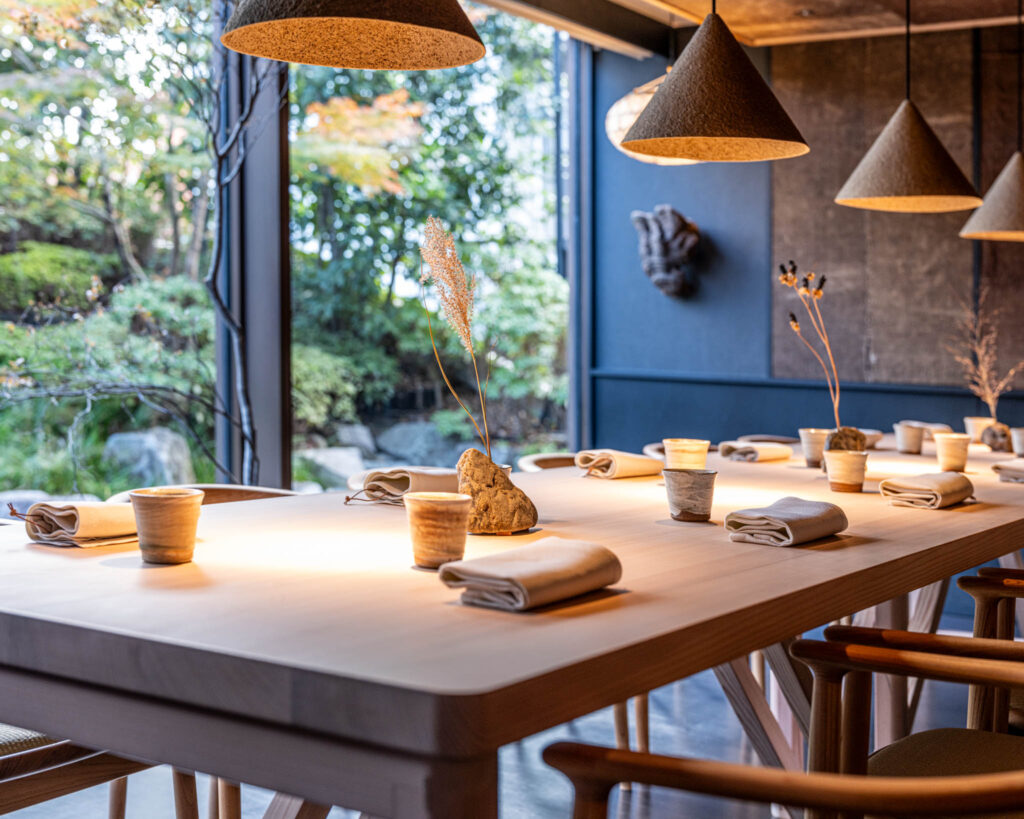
(373, 34)
(715, 107)
(1001, 217)
(623, 114)
(907, 170)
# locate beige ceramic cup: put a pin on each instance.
(812, 442)
(690, 493)
(909, 438)
(1017, 437)
(166, 518)
(845, 470)
(975, 425)
(437, 525)
(951, 449)
(686, 453)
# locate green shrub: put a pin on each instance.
(324, 388)
(45, 274)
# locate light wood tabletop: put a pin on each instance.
(302, 624)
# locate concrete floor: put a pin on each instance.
(690, 717)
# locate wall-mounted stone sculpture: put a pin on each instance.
(668, 249)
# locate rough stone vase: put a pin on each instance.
(499, 507)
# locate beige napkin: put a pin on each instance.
(754, 451)
(932, 491)
(787, 522)
(529, 576)
(929, 428)
(81, 523)
(1010, 471)
(613, 463)
(389, 485)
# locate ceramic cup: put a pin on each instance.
(974, 425)
(909, 438)
(166, 518)
(437, 525)
(845, 470)
(686, 453)
(1017, 437)
(951, 449)
(812, 441)
(690, 492)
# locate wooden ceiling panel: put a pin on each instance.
(774, 22)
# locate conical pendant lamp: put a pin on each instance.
(907, 169)
(715, 107)
(1001, 217)
(389, 34)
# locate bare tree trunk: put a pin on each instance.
(200, 213)
(122, 240)
(170, 200)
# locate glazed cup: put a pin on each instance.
(437, 525)
(1017, 438)
(951, 450)
(845, 470)
(975, 425)
(909, 438)
(166, 518)
(686, 453)
(812, 441)
(690, 493)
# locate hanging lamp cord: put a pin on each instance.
(906, 46)
(714, 6)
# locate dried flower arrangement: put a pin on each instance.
(975, 347)
(810, 294)
(456, 291)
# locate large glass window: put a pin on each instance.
(106, 365)
(374, 154)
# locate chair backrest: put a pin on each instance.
(546, 460)
(222, 493)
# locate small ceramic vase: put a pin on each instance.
(909, 438)
(437, 525)
(845, 469)
(166, 518)
(686, 453)
(812, 441)
(974, 425)
(690, 493)
(951, 450)
(1017, 437)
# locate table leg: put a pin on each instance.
(1013, 561)
(891, 691)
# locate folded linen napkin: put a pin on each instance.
(787, 522)
(935, 490)
(1010, 471)
(81, 523)
(389, 485)
(613, 463)
(768, 438)
(534, 575)
(929, 428)
(754, 451)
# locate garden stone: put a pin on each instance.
(152, 457)
(334, 465)
(307, 488)
(420, 443)
(357, 435)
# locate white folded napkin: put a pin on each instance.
(754, 451)
(787, 522)
(929, 428)
(81, 523)
(1010, 471)
(613, 463)
(389, 485)
(529, 576)
(935, 490)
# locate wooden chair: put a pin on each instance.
(225, 797)
(945, 772)
(546, 460)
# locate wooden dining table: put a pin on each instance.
(302, 652)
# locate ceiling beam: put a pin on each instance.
(881, 31)
(601, 23)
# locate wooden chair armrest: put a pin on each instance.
(595, 770)
(1001, 573)
(853, 657)
(984, 648)
(992, 586)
